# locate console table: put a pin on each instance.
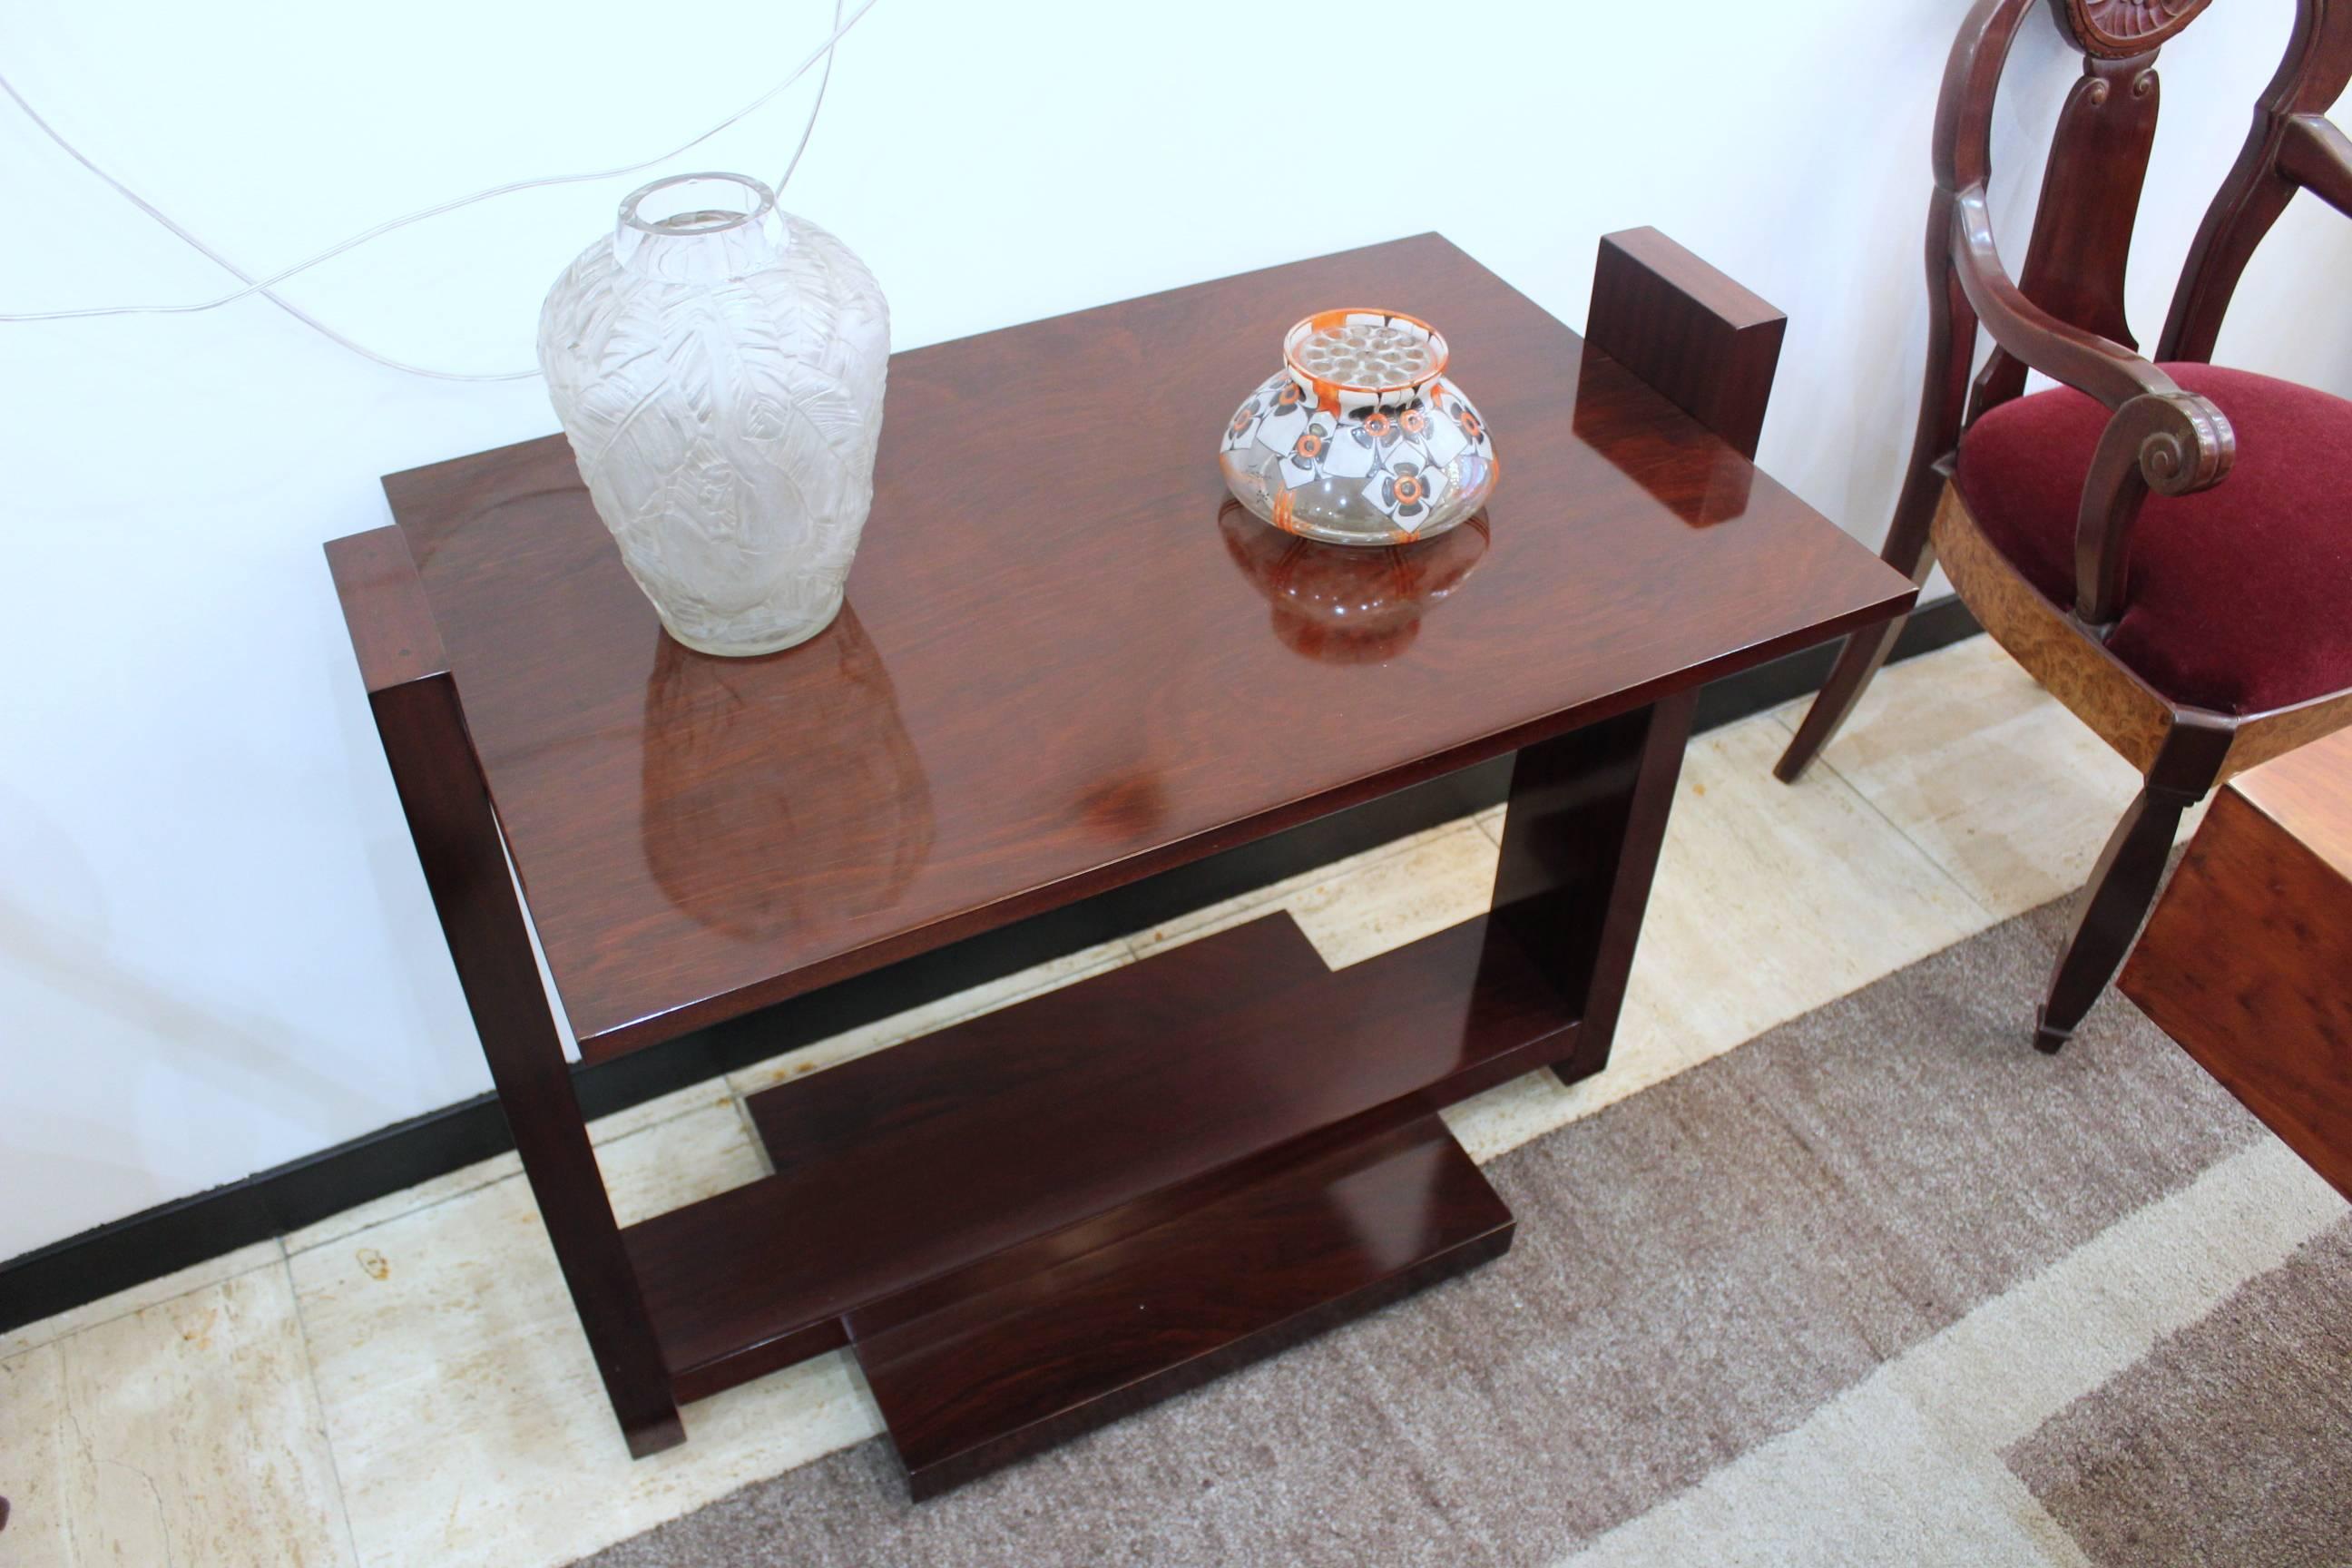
(1058, 672)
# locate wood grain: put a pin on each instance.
(1587, 817)
(2123, 709)
(1708, 342)
(2075, 261)
(2308, 794)
(439, 780)
(937, 1169)
(2247, 960)
(384, 608)
(1331, 1234)
(2275, 733)
(2049, 643)
(1048, 635)
(1055, 674)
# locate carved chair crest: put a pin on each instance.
(2120, 29)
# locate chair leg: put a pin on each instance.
(1943, 396)
(1908, 549)
(2115, 906)
(2188, 763)
(1858, 662)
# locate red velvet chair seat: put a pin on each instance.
(2241, 597)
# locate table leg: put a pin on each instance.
(1588, 813)
(449, 815)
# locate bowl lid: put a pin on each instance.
(1363, 353)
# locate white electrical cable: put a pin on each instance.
(266, 287)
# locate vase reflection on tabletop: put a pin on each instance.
(718, 366)
(1359, 438)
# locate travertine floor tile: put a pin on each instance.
(184, 1433)
(674, 1162)
(1985, 772)
(391, 1205)
(469, 1423)
(213, 1271)
(903, 1026)
(1365, 904)
(37, 1455)
(1768, 903)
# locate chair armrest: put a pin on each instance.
(2170, 442)
(2318, 156)
(2158, 438)
(2099, 367)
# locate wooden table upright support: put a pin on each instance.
(2247, 960)
(1581, 839)
(1015, 1222)
(423, 725)
(1588, 810)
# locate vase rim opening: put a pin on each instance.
(700, 204)
(1319, 377)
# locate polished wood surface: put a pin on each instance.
(2247, 961)
(2309, 794)
(899, 1174)
(1581, 839)
(2081, 247)
(439, 780)
(1053, 676)
(1057, 673)
(2063, 316)
(1353, 1222)
(1706, 341)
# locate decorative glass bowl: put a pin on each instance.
(1359, 438)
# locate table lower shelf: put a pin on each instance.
(987, 1378)
(1230, 1141)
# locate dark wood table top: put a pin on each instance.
(1065, 662)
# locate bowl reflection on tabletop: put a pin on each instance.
(1349, 603)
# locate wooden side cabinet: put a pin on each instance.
(1034, 1221)
(2247, 960)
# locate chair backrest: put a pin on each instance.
(2081, 244)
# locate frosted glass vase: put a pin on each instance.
(719, 368)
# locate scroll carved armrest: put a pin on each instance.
(2318, 156)
(2173, 443)
(2160, 438)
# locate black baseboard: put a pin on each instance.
(177, 1235)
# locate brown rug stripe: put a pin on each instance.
(2215, 1451)
(1696, 1269)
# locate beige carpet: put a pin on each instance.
(1880, 1287)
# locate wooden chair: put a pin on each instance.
(2199, 626)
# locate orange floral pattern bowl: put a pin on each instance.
(1359, 438)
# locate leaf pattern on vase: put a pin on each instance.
(726, 430)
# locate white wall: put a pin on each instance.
(215, 950)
